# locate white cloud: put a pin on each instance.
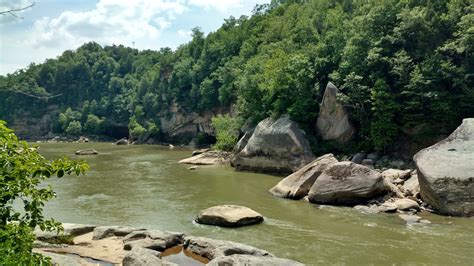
(220, 5)
(184, 33)
(111, 22)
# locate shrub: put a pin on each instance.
(22, 170)
(227, 132)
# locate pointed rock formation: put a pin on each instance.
(333, 119)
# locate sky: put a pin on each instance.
(53, 26)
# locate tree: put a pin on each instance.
(227, 132)
(22, 171)
(74, 128)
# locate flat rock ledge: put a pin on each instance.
(129, 246)
(229, 216)
(208, 158)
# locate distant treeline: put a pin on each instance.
(404, 67)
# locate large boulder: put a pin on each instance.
(346, 183)
(446, 172)
(276, 146)
(333, 119)
(229, 216)
(239, 259)
(297, 185)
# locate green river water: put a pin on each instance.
(144, 186)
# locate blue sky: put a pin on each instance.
(52, 26)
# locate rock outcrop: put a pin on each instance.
(229, 216)
(446, 172)
(346, 183)
(276, 146)
(234, 260)
(208, 158)
(298, 184)
(333, 119)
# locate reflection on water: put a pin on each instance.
(145, 186)
(181, 256)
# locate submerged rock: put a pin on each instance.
(276, 146)
(298, 184)
(346, 183)
(333, 119)
(229, 216)
(86, 152)
(410, 218)
(207, 158)
(446, 172)
(238, 259)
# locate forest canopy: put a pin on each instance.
(402, 67)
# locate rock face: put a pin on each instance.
(212, 248)
(333, 119)
(298, 184)
(446, 172)
(251, 260)
(207, 158)
(276, 146)
(346, 183)
(86, 152)
(229, 216)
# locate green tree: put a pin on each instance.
(74, 128)
(227, 132)
(94, 125)
(22, 171)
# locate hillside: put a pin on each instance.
(404, 70)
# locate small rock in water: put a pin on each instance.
(410, 219)
(366, 209)
(87, 152)
(406, 204)
(193, 168)
(229, 216)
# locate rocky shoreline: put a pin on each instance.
(116, 245)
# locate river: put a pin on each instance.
(144, 186)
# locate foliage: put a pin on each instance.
(417, 55)
(22, 171)
(227, 132)
(94, 125)
(74, 128)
